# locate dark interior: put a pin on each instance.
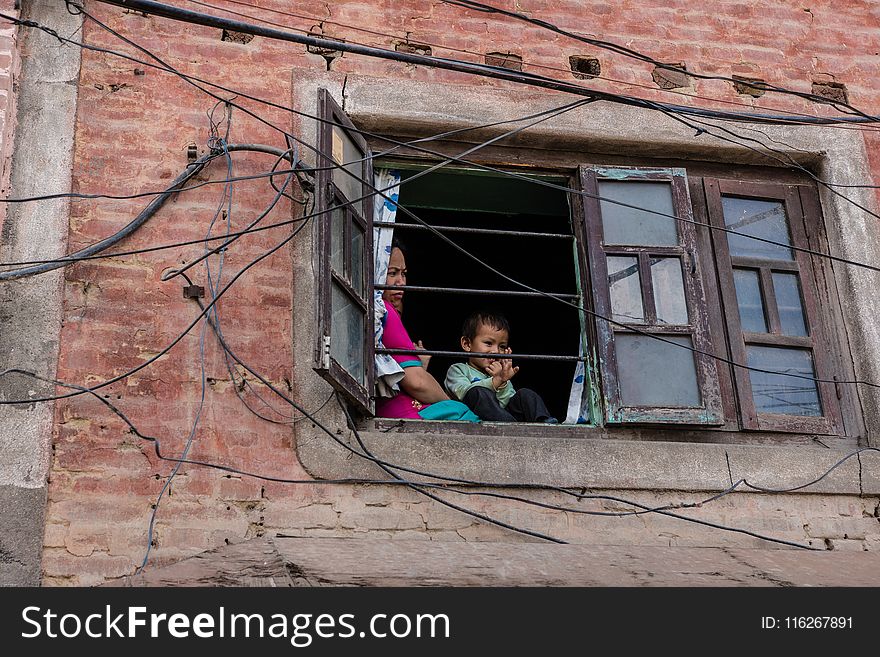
(538, 325)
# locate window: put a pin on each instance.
(645, 279)
(772, 319)
(344, 258)
(673, 309)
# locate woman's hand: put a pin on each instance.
(426, 358)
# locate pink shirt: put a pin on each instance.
(396, 337)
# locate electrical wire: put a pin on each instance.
(226, 288)
(634, 54)
(769, 372)
(422, 42)
(192, 17)
(502, 485)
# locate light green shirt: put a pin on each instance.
(461, 377)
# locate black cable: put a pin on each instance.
(494, 521)
(137, 222)
(167, 68)
(452, 243)
(192, 17)
(422, 42)
(174, 341)
(398, 481)
(634, 54)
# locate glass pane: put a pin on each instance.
(337, 240)
(626, 290)
(347, 333)
(654, 373)
(669, 291)
(751, 303)
(357, 258)
(783, 394)
(764, 219)
(623, 225)
(788, 302)
(345, 151)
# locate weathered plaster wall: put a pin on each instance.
(133, 126)
(30, 309)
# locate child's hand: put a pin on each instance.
(508, 370)
(426, 358)
(501, 371)
(495, 369)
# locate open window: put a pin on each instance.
(632, 268)
(655, 351)
(343, 228)
(518, 227)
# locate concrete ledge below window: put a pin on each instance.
(564, 458)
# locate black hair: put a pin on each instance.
(489, 318)
(396, 243)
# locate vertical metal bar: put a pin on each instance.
(770, 308)
(647, 284)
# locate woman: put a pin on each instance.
(421, 397)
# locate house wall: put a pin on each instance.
(133, 127)
(41, 110)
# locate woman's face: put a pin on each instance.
(396, 276)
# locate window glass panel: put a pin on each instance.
(750, 301)
(626, 290)
(345, 152)
(788, 301)
(347, 333)
(623, 225)
(669, 291)
(654, 373)
(783, 394)
(357, 259)
(763, 219)
(337, 240)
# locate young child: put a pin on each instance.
(483, 383)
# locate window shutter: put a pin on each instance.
(772, 308)
(344, 255)
(645, 279)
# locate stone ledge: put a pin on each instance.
(598, 463)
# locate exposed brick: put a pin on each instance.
(749, 86)
(504, 60)
(674, 78)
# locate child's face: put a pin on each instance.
(488, 340)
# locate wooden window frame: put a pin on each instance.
(327, 197)
(710, 412)
(790, 196)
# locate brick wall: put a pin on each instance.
(133, 127)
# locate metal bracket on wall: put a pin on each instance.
(193, 292)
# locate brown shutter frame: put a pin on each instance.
(710, 412)
(327, 196)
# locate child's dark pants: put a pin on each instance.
(525, 406)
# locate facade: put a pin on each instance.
(662, 426)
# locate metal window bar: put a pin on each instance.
(475, 231)
(471, 354)
(464, 290)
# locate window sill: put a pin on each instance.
(593, 457)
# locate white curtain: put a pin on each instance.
(388, 372)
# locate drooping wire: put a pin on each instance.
(634, 54)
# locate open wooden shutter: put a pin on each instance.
(344, 256)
